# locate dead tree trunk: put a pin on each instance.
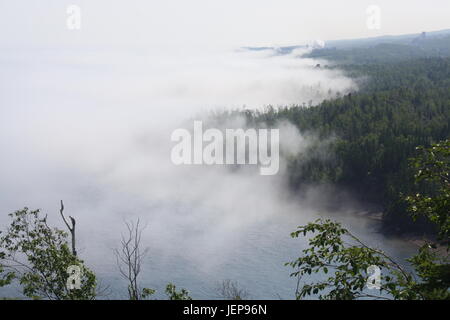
(71, 229)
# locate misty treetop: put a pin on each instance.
(373, 132)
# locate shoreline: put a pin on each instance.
(417, 240)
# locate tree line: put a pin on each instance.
(372, 133)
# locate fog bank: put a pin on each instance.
(93, 127)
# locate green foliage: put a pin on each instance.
(433, 268)
(5, 277)
(173, 294)
(38, 257)
(432, 168)
(147, 292)
(334, 250)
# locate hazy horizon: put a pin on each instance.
(202, 23)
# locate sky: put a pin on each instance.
(197, 23)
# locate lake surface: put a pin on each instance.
(255, 260)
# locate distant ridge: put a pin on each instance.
(394, 39)
(360, 42)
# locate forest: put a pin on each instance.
(375, 131)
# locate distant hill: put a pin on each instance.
(395, 39)
(382, 49)
(387, 49)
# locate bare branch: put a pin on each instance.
(129, 258)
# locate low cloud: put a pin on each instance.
(93, 128)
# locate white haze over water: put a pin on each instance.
(92, 127)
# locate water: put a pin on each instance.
(253, 256)
(255, 260)
(92, 126)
